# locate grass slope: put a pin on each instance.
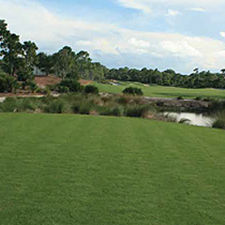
(164, 92)
(66, 169)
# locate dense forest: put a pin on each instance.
(18, 60)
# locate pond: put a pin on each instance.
(194, 118)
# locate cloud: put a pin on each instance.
(171, 12)
(109, 43)
(84, 43)
(149, 5)
(222, 34)
(180, 48)
(197, 9)
(139, 43)
(134, 4)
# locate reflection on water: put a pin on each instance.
(195, 119)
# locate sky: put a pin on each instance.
(163, 34)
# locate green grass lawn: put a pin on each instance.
(164, 92)
(73, 170)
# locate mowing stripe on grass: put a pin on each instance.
(67, 169)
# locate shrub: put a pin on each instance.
(179, 98)
(160, 104)
(220, 120)
(217, 106)
(82, 108)
(95, 100)
(124, 99)
(69, 85)
(137, 111)
(129, 99)
(208, 99)
(198, 98)
(54, 107)
(7, 83)
(112, 111)
(47, 91)
(19, 105)
(90, 89)
(26, 104)
(133, 91)
(9, 105)
(33, 86)
(107, 98)
(63, 89)
(219, 123)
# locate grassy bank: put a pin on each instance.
(80, 103)
(164, 92)
(68, 169)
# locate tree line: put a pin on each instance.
(203, 79)
(18, 60)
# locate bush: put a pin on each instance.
(180, 98)
(198, 98)
(46, 91)
(9, 105)
(111, 111)
(133, 91)
(137, 111)
(219, 123)
(90, 89)
(33, 86)
(82, 108)
(54, 107)
(63, 89)
(7, 83)
(26, 104)
(217, 106)
(19, 105)
(208, 99)
(69, 85)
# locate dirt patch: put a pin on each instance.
(20, 94)
(85, 82)
(42, 82)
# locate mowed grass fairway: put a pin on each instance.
(73, 170)
(164, 92)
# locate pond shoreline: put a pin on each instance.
(184, 105)
(194, 119)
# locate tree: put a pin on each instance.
(12, 54)
(64, 62)
(27, 62)
(10, 49)
(4, 33)
(45, 63)
(18, 59)
(29, 53)
(83, 64)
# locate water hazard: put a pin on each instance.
(193, 118)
